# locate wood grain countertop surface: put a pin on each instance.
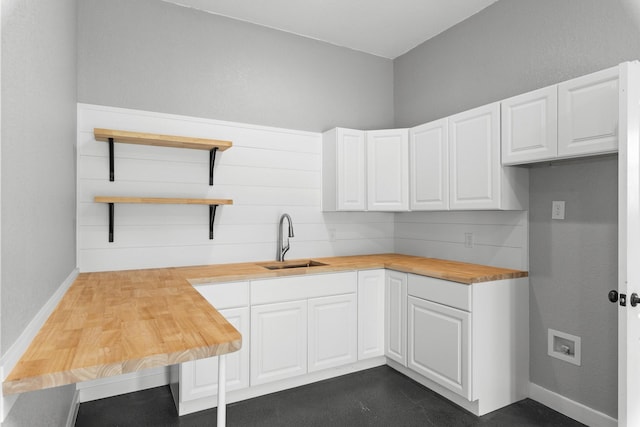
(111, 323)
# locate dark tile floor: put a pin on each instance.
(375, 397)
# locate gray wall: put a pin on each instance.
(573, 265)
(37, 175)
(43, 408)
(509, 48)
(151, 55)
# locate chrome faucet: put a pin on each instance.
(283, 249)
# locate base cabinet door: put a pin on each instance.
(332, 331)
(370, 313)
(278, 341)
(395, 341)
(439, 344)
(199, 378)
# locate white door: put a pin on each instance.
(351, 176)
(429, 166)
(474, 152)
(395, 317)
(388, 170)
(332, 335)
(199, 378)
(530, 126)
(439, 344)
(278, 341)
(629, 246)
(588, 114)
(370, 313)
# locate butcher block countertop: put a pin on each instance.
(441, 269)
(111, 323)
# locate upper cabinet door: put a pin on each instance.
(474, 150)
(588, 114)
(429, 166)
(343, 174)
(530, 127)
(388, 170)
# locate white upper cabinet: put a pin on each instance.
(429, 166)
(588, 114)
(474, 138)
(388, 170)
(477, 178)
(343, 171)
(530, 127)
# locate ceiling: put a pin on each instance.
(386, 28)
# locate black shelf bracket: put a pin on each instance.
(212, 215)
(212, 160)
(111, 214)
(111, 174)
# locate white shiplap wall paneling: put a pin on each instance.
(267, 172)
(500, 238)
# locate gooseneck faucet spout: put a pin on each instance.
(282, 249)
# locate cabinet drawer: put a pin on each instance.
(453, 294)
(294, 288)
(225, 295)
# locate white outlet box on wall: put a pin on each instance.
(564, 346)
(557, 209)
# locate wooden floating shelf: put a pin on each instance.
(111, 200)
(159, 140)
(162, 200)
(126, 137)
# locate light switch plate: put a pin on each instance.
(557, 209)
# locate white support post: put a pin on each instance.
(222, 403)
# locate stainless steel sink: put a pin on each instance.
(292, 264)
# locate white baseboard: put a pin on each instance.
(73, 409)
(570, 408)
(121, 384)
(200, 404)
(12, 355)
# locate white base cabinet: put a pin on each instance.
(199, 378)
(439, 344)
(371, 311)
(278, 341)
(395, 315)
(302, 324)
(469, 343)
(195, 384)
(333, 339)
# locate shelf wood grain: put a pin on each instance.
(161, 200)
(159, 140)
